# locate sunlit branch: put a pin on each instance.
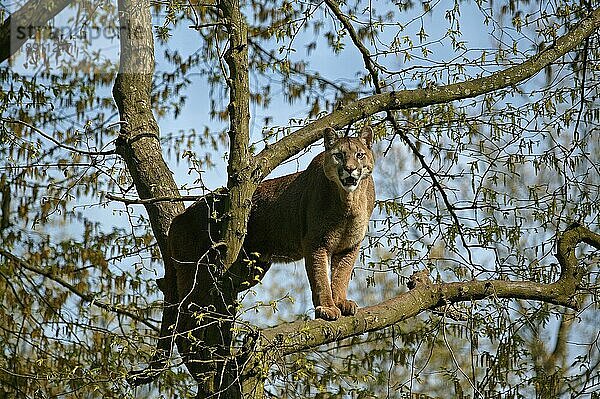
(426, 295)
(290, 145)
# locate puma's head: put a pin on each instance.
(348, 160)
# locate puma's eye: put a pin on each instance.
(338, 156)
(360, 155)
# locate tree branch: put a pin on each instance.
(57, 142)
(239, 183)
(290, 145)
(271, 58)
(366, 55)
(425, 295)
(133, 201)
(25, 22)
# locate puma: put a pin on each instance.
(320, 214)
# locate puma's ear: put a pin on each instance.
(366, 135)
(330, 136)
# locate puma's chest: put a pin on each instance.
(349, 232)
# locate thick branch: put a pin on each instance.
(25, 22)
(138, 141)
(290, 145)
(303, 335)
(239, 183)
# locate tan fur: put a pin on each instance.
(307, 215)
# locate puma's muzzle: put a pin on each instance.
(350, 180)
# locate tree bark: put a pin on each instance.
(239, 182)
(240, 187)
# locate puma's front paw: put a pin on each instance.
(347, 307)
(327, 312)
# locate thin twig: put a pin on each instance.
(366, 55)
(582, 101)
(58, 143)
(131, 201)
(476, 392)
(85, 297)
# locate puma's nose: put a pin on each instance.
(349, 168)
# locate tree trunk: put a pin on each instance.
(139, 146)
(240, 187)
